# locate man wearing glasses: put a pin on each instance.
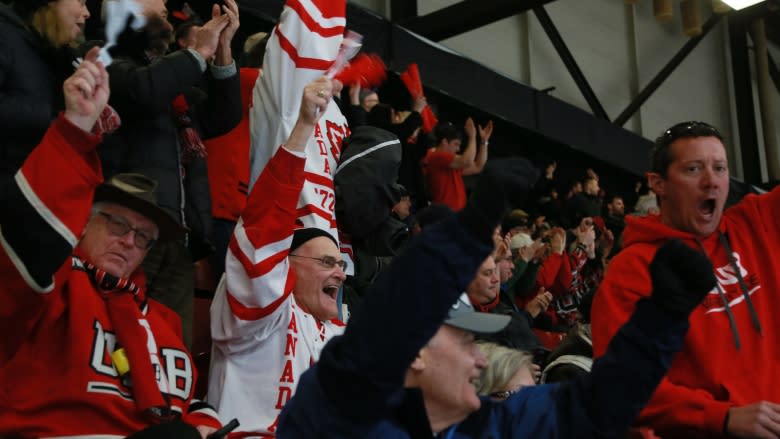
(726, 380)
(85, 352)
(274, 309)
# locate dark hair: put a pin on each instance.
(446, 130)
(610, 199)
(183, 30)
(380, 116)
(661, 156)
(366, 92)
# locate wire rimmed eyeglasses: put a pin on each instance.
(328, 262)
(118, 227)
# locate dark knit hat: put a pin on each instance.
(302, 236)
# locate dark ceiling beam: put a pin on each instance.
(774, 72)
(743, 97)
(769, 10)
(773, 28)
(571, 64)
(466, 16)
(666, 71)
(401, 10)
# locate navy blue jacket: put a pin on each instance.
(356, 389)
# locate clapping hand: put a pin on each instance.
(224, 55)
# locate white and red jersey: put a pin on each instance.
(262, 341)
(56, 374)
(301, 48)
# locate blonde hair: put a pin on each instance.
(45, 21)
(503, 363)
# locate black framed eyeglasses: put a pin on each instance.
(118, 227)
(328, 262)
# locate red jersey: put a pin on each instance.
(56, 373)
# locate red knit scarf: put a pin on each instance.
(126, 304)
(486, 307)
(189, 139)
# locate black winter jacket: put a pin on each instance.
(31, 76)
(142, 93)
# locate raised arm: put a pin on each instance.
(221, 111)
(482, 153)
(257, 268)
(465, 160)
(39, 232)
(152, 88)
(605, 402)
(224, 53)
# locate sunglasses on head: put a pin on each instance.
(688, 129)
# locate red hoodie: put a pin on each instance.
(710, 374)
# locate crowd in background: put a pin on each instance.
(287, 198)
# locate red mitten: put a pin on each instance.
(367, 70)
(411, 78)
(429, 119)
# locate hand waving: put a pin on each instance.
(86, 91)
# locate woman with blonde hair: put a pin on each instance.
(508, 371)
(36, 55)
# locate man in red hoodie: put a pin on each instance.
(726, 380)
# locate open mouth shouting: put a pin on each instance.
(707, 208)
(331, 290)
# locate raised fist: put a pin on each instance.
(681, 277)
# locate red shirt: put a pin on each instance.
(709, 375)
(444, 182)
